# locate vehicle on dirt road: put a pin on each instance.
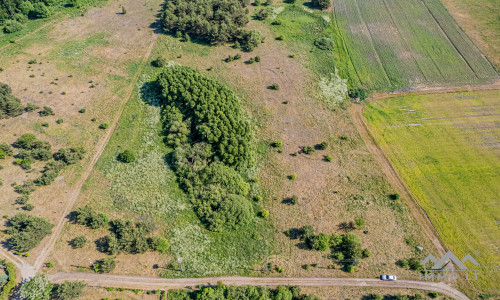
(388, 277)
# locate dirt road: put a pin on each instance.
(162, 283)
(393, 176)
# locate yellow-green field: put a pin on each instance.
(446, 147)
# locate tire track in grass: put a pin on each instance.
(100, 148)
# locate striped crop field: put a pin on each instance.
(402, 44)
(446, 148)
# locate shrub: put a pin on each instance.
(373, 297)
(3, 155)
(78, 242)
(12, 26)
(237, 56)
(46, 111)
(82, 111)
(321, 146)
(294, 200)
(159, 62)
(41, 154)
(70, 155)
(324, 43)
(31, 107)
(10, 269)
(26, 188)
(335, 239)
(366, 253)
(129, 237)
(124, 11)
(257, 58)
(356, 93)
(29, 207)
(70, 290)
(59, 121)
(292, 176)
(104, 125)
(127, 156)
(85, 215)
(434, 295)
(40, 11)
(395, 196)
(275, 86)
(307, 149)
(6, 148)
(27, 231)
(262, 14)
(351, 246)
(360, 223)
(21, 200)
(320, 242)
(264, 213)
(49, 264)
(338, 256)
(321, 4)
(249, 40)
(251, 60)
(350, 268)
(403, 263)
(329, 158)
(106, 265)
(277, 144)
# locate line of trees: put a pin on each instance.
(212, 144)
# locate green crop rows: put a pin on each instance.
(398, 44)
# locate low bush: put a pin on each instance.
(78, 242)
(82, 111)
(321, 146)
(275, 86)
(70, 290)
(31, 107)
(329, 158)
(357, 93)
(159, 62)
(46, 111)
(104, 125)
(324, 43)
(262, 14)
(127, 156)
(307, 149)
(106, 265)
(12, 26)
(70, 155)
(292, 176)
(86, 216)
(7, 149)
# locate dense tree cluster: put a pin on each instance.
(223, 292)
(14, 13)
(204, 124)
(213, 21)
(85, 215)
(37, 288)
(344, 247)
(10, 106)
(129, 237)
(69, 290)
(27, 231)
(321, 4)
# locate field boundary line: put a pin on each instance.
(392, 174)
(370, 38)
(100, 148)
(448, 38)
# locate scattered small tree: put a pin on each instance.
(70, 290)
(106, 265)
(275, 86)
(127, 156)
(79, 242)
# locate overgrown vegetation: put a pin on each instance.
(27, 231)
(230, 292)
(10, 269)
(204, 123)
(212, 21)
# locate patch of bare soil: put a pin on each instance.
(61, 82)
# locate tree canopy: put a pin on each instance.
(212, 142)
(10, 106)
(27, 231)
(212, 21)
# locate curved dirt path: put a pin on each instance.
(418, 213)
(159, 283)
(100, 148)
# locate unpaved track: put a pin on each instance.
(418, 213)
(100, 148)
(162, 283)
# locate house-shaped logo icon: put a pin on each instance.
(449, 261)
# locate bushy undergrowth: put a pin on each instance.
(27, 231)
(333, 89)
(228, 292)
(204, 123)
(213, 21)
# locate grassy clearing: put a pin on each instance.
(59, 12)
(395, 44)
(148, 189)
(445, 147)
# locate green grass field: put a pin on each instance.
(446, 148)
(397, 44)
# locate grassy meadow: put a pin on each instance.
(397, 45)
(446, 148)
